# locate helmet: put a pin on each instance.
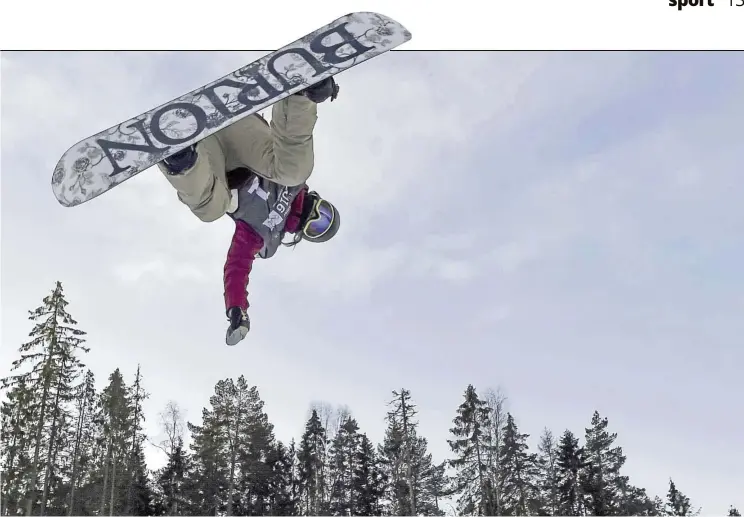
(320, 219)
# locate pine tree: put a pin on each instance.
(282, 485)
(519, 489)
(548, 473)
(113, 470)
(343, 456)
(140, 495)
(54, 366)
(406, 462)
(230, 424)
(260, 461)
(633, 500)
(91, 463)
(733, 512)
(423, 470)
(114, 422)
(403, 413)
(368, 480)
(331, 418)
(311, 459)
(438, 486)
(67, 449)
(15, 439)
(210, 465)
(231, 452)
(570, 464)
(294, 477)
(390, 453)
(471, 444)
(677, 502)
(496, 402)
(600, 480)
(659, 506)
(54, 468)
(85, 401)
(171, 480)
(232, 412)
(138, 492)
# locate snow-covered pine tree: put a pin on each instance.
(472, 447)
(658, 505)
(51, 363)
(734, 512)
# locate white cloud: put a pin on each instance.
(455, 242)
(491, 314)
(158, 270)
(456, 271)
(339, 270)
(512, 255)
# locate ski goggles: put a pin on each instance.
(320, 220)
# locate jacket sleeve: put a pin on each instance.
(246, 243)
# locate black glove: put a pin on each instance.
(322, 91)
(240, 324)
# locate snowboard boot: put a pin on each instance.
(181, 161)
(322, 91)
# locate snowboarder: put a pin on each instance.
(256, 173)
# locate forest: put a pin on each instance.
(69, 448)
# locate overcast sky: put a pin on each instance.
(566, 226)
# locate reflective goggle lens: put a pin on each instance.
(320, 220)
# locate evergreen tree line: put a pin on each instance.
(69, 449)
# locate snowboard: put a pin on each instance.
(98, 163)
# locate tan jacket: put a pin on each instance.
(281, 151)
